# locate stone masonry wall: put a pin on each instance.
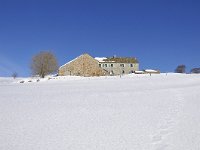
(84, 65)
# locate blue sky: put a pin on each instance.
(160, 33)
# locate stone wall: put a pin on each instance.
(84, 65)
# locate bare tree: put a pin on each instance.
(43, 64)
(14, 75)
(180, 69)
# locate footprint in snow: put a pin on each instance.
(164, 132)
(161, 147)
(156, 138)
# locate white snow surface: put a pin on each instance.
(134, 112)
(100, 59)
(151, 70)
(139, 71)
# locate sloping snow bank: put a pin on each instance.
(139, 112)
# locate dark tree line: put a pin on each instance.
(195, 70)
(182, 69)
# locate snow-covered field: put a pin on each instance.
(135, 112)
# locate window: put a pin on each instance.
(111, 65)
(105, 65)
(121, 65)
(99, 65)
(131, 65)
(123, 71)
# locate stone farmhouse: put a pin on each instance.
(86, 65)
(119, 65)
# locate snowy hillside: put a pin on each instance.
(135, 112)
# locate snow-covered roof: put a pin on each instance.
(117, 59)
(100, 59)
(151, 70)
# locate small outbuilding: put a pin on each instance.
(151, 71)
